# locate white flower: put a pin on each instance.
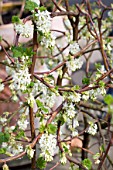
(85, 95)
(63, 158)
(75, 123)
(31, 100)
(69, 110)
(4, 144)
(30, 151)
(97, 161)
(0, 48)
(23, 29)
(43, 21)
(74, 133)
(5, 167)
(74, 47)
(3, 119)
(74, 64)
(17, 148)
(36, 1)
(48, 41)
(21, 80)
(22, 124)
(92, 130)
(74, 97)
(50, 99)
(1, 86)
(48, 146)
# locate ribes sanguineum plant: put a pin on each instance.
(57, 113)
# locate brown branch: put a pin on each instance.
(31, 115)
(106, 153)
(10, 58)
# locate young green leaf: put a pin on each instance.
(51, 128)
(87, 163)
(4, 137)
(40, 163)
(108, 99)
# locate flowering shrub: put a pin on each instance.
(38, 92)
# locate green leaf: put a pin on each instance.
(2, 150)
(42, 8)
(40, 163)
(41, 106)
(30, 5)
(42, 128)
(4, 137)
(16, 53)
(20, 134)
(51, 128)
(87, 163)
(15, 19)
(76, 87)
(31, 84)
(86, 80)
(21, 51)
(108, 99)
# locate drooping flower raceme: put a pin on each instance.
(43, 24)
(69, 110)
(48, 41)
(48, 144)
(23, 29)
(92, 130)
(29, 151)
(43, 21)
(21, 80)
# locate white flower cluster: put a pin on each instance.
(94, 93)
(63, 158)
(74, 97)
(74, 64)
(23, 29)
(21, 80)
(12, 146)
(39, 87)
(100, 71)
(31, 100)
(48, 145)
(22, 122)
(66, 150)
(48, 41)
(74, 47)
(69, 110)
(85, 95)
(92, 130)
(1, 85)
(29, 151)
(43, 24)
(43, 21)
(49, 99)
(72, 125)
